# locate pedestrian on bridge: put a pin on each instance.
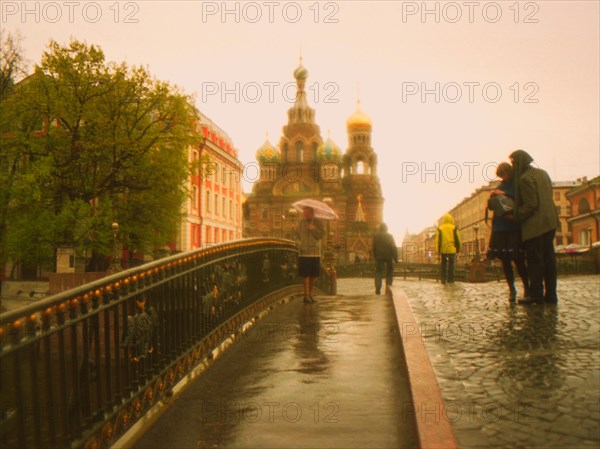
(447, 243)
(385, 253)
(309, 233)
(536, 213)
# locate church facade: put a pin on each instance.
(303, 165)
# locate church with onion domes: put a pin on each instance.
(303, 165)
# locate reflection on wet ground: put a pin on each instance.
(327, 375)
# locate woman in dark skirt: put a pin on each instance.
(505, 241)
(309, 233)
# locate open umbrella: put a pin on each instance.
(321, 209)
(576, 248)
(560, 249)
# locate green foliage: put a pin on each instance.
(114, 149)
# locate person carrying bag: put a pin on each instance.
(505, 241)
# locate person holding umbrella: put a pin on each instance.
(309, 233)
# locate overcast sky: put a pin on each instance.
(460, 85)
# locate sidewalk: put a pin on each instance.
(326, 375)
(514, 376)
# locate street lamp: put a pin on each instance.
(430, 246)
(477, 254)
(292, 213)
(329, 243)
(115, 265)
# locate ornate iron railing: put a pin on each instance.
(77, 369)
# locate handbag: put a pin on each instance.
(501, 205)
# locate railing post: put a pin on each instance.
(333, 279)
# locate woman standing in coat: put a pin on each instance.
(505, 241)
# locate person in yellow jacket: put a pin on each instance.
(447, 243)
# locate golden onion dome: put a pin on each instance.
(300, 73)
(359, 118)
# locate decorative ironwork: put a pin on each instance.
(140, 327)
(77, 369)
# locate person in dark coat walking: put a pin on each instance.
(505, 241)
(385, 253)
(536, 212)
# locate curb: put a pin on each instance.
(433, 430)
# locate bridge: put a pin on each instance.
(82, 368)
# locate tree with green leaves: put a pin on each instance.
(109, 144)
(12, 70)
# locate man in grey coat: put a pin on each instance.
(536, 212)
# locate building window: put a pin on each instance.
(299, 151)
(224, 208)
(360, 168)
(559, 240)
(208, 201)
(556, 196)
(558, 210)
(194, 196)
(231, 209)
(585, 236)
(584, 206)
(216, 204)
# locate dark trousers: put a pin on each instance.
(510, 275)
(541, 266)
(447, 268)
(389, 272)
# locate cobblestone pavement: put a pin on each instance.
(512, 376)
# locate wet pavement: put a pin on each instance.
(326, 375)
(513, 376)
